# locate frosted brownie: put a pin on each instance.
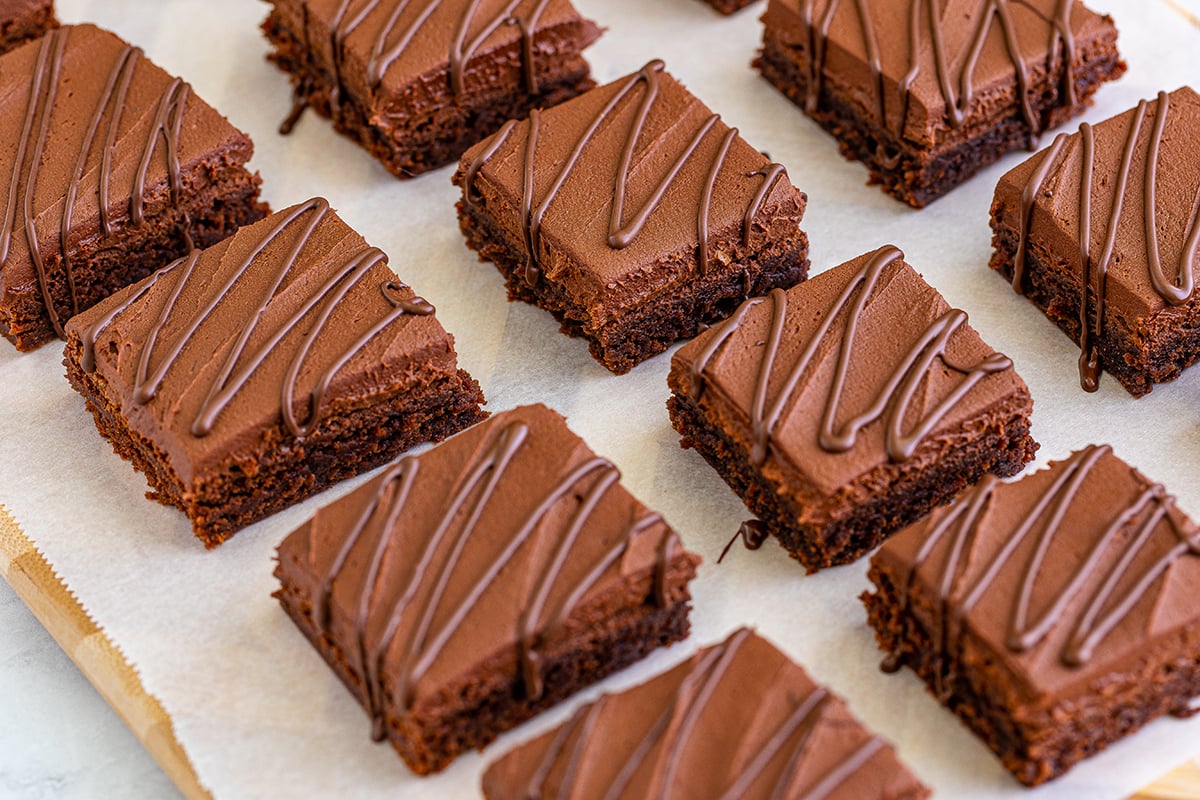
(113, 169)
(928, 93)
(849, 406)
(243, 378)
(1054, 615)
(1135, 181)
(416, 83)
(736, 720)
(22, 20)
(466, 589)
(633, 214)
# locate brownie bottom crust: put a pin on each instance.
(429, 737)
(103, 265)
(1036, 739)
(915, 175)
(421, 141)
(1137, 352)
(279, 472)
(841, 531)
(627, 338)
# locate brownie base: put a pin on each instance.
(279, 472)
(1138, 357)
(105, 264)
(1035, 740)
(845, 531)
(494, 700)
(632, 336)
(418, 142)
(32, 24)
(913, 174)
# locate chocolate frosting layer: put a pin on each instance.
(1119, 204)
(861, 365)
(504, 541)
(260, 336)
(736, 720)
(926, 68)
(1062, 576)
(93, 139)
(620, 193)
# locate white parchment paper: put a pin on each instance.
(255, 707)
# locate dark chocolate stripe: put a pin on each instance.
(803, 719)
(892, 402)
(1178, 290)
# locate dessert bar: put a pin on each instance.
(736, 720)
(113, 169)
(1054, 615)
(466, 589)
(1122, 284)
(849, 406)
(22, 20)
(243, 378)
(927, 93)
(633, 214)
(416, 83)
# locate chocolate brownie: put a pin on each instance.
(849, 406)
(466, 589)
(736, 720)
(927, 93)
(1054, 615)
(243, 378)
(728, 6)
(633, 214)
(417, 83)
(22, 20)
(1135, 181)
(113, 169)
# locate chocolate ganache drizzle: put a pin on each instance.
(925, 21)
(1174, 289)
(670, 732)
(892, 402)
(418, 625)
(1148, 514)
(31, 154)
(391, 41)
(239, 365)
(621, 231)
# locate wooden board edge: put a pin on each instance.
(101, 661)
(1182, 783)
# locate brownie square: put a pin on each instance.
(1054, 615)
(113, 169)
(849, 406)
(417, 83)
(738, 720)
(633, 214)
(246, 377)
(984, 78)
(1135, 180)
(22, 20)
(728, 6)
(466, 589)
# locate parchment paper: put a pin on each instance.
(256, 708)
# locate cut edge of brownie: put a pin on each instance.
(348, 442)
(18, 30)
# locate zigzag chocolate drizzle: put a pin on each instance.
(1103, 609)
(236, 372)
(31, 152)
(422, 599)
(621, 233)
(1174, 290)
(678, 721)
(892, 402)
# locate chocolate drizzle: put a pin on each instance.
(958, 98)
(892, 402)
(239, 365)
(31, 153)
(421, 620)
(1142, 517)
(621, 231)
(1174, 290)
